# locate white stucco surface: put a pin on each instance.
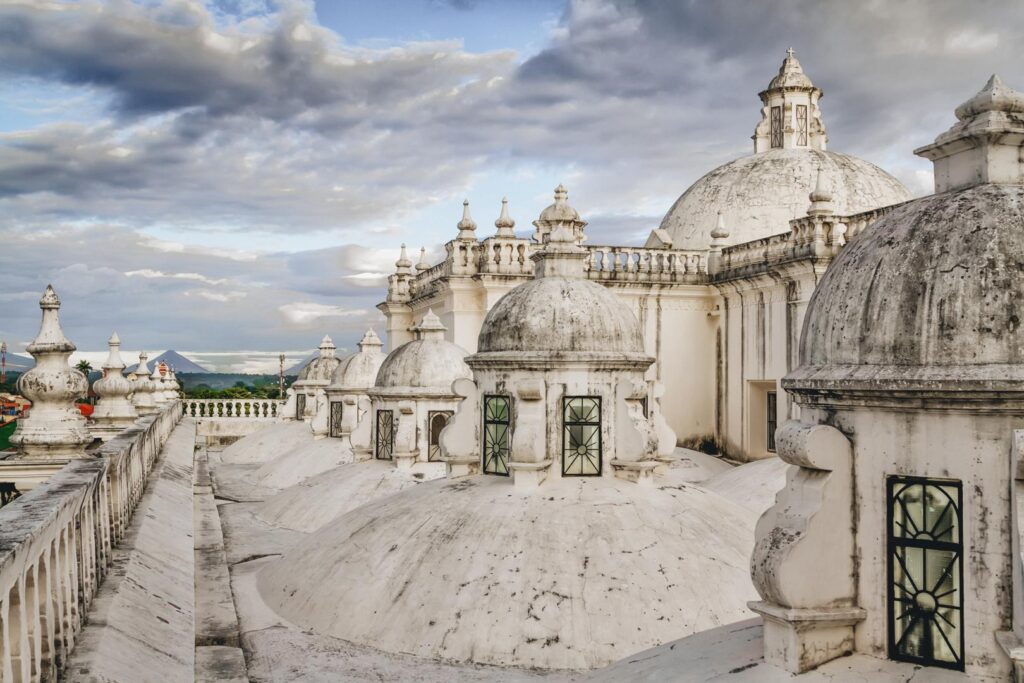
(309, 505)
(267, 443)
(752, 485)
(301, 462)
(732, 654)
(573, 576)
(695, 467)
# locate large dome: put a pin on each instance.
(931, 292)
(572, 576)
(759, 194)
(560, 314)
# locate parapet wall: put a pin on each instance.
(56, 543)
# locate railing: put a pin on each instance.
(56, 543)
(252, 408)
(638, 264)
(808, 237)
(506, 256)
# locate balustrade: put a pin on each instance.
(638, 264)
(56, 543)
(252, 408)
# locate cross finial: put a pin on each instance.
(790, 52)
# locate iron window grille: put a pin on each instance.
(337, 408)
(497, 435)
(772, 419)
(801, 125)
(581, 436)
(776, 127)
(300, 406)
(926, 622)
(436, 421)
(385, 443)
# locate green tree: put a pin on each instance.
(84, 367)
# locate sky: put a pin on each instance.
(237, 175)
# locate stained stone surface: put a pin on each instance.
(311, 504)
(267, 443)
(573, 576)
(732, 654)
(752, 485)
(304, 461)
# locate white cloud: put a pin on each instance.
(148, 273)
(305, 312)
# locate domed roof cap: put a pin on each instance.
(791, 74)
(559, 213)
(321, 368)
(931, 297)
(428, 362)
(559, 312)
(359, 370)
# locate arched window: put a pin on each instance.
(581, 436)
(926, 624)
(436, 421)
(385, 444)
(497, 435)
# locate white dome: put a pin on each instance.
(759, 194)
(572, 577)
(359, 370)
(428, 362)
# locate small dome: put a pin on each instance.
(359, 370)
(759, 194)
(428, 362)
(791, 74)
(560, 314)
(560, 210)
(320, 369)
(932, 291)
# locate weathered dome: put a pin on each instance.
(932, 291)
(321, 368)
(560, 314)
(428, 362)
(759, 194)
(570, 577)
(359, 370)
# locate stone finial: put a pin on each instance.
(54, 427)
(720, 233)
(466, 226)
(159, 393)
(327, 347)
(430, 326)
(114, 411)
(142, 388)
(504, 223)
(403, 264)
(423, 265)
(985, 144)
(559, 213)
(370, 341)
(821, 198)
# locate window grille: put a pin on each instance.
(497, 435)
(300, 406)
(772, 419)
(776, 127)
(385, 434)
(581, 436)
(336, 412)
(801, 125)
(926, 623)
(436, 421)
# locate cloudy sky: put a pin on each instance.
(234, 175)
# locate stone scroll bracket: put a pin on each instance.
(406, 446)
(460, 439)
(530, 464)
(803, 564)
(361, 437)
(636, 442)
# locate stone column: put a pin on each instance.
(54, 428)
(114, 412)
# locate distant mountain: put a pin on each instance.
(297, 368)
(16, 363)
(181, 365)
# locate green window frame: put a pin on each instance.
(581, 436)
(496, 446)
